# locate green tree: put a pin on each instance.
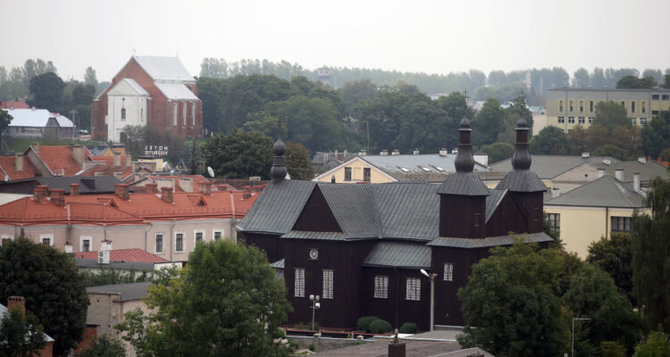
(298, 162)
(90, 79)
(5, 120)
(610, 115)
(615, 256)
(46, 91)
(353, 93)
(656, 345)
(104, 346)
(50, 282)
(656, 135)
(239, 155)
(517, 110)
(498, 151)
(227, 302)
(20, 336)
(581, 79)
(511, 306)
(488, 123)
(651, 267)
(550, 141)
(632, 82)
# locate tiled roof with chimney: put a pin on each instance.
(58, 159)
(135, 255)
(9, 169)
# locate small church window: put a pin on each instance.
(448, 272)
(381, 287)
(299, 283)
(123, 113)
(413, 289)
(327, 284)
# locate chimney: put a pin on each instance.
(586, 155)
(636, 181)
(74, 189)
(186, 184)
(117, 159)
(166, 194)
(443, 152)
(642, 160)
(363, 153)
(205, 187)
(151, 188)
(415, 152)
(18, 162)
(555, 192)
(58, 197)
(36, 146)
(78, 154)
(17, 302)
(395, 152)
(40, 193)
(601, 172)
(383, 153)
(618, 173)
(129, 160)
(121, 190)
(344, 155)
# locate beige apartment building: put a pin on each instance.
(568, 107)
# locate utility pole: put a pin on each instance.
(73, 112)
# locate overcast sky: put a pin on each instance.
(418, 36)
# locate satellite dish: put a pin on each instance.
(210, 171)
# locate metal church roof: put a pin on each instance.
(401, 255)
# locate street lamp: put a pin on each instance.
(432, 297)
(315, 305)
(572, 349)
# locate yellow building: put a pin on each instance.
(569, 107)
(594, 210)
(395, 167)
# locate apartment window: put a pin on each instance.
(591, 106)
(654, 97)
(159, 243)
(347, 174)
(581, 105)
(644, 107)
(654, 112)
(571, 120)
(123, 113)
(413, 292)
(327, 292)
(591, 120)
(217, 235)
(643, 121)
(634, 120)
(47, 239)
(366, 174)
(620, 224)
(581, 120)
(560, 105)
(174, 114)
(85, 244)
(632, 107)
(381, 287)
(571, 107)
(179, 242)
(448, 272)
(665, 97)
(554, 221)
(299, 283)
(561, 120)
(199, 236)
(5, 239)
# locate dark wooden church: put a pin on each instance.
(361, 247)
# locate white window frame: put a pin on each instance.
(162, 251)
(299, 282)
(83, 239)
(5, 237)
(49, 236)
(183, 242)
(193, 112)
(381, 287)
(214, 234)
(448, 272)
(328, 291)
(195, 234)
(184, 111)
(413, 289)
(174, 114)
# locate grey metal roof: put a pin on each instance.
(315, 235)
(492, 202)
(413, 166)
(407, 210)
(279, 264)
(4, 311)
(164, 68)
(128, 292)
(550, 166)
(93, 264)
(605, 191)
(470, 243)
(463, 183)
(522, 181)
(401, 255)
(278, 207)
(87, 184)
(647, 170)
(353, 208)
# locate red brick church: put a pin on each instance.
(149, 90)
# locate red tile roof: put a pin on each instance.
(134, 255)
(13, 105)
(197, 179)
(102, 169)
(108, 160)
(8, 167)
(59, 160)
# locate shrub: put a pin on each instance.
(407, 327)
(612, 349)
(380, 326)
(363, 323)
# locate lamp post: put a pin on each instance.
(315, 305)
(432, 297)
(572, 348)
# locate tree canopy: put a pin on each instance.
(20, 336)
(227, 302)
(488, 123)
(47, 91)
(53, 289)
(550, 141)
(239, 155)
(656, 135)
(614, 256)
(632, 82)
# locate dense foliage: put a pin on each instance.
(104, 346)
(615, 257)
(136, 138)
(20, 336)
(227, 302)
(53, 289)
